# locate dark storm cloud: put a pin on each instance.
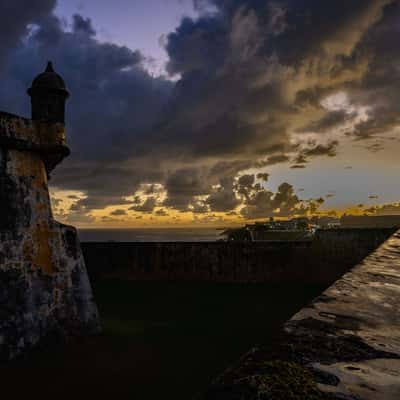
(255, 67)
(246, 180)
(15, 17)
(261, 203)
(272, 160)
(251, 73)
(185, 184)
(380, 86)
(147, 207)
(313, 149)
(329, 121)
(263, 176)
(328, 149)
(223, 199)
(84, 25)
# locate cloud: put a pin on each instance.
(183, 185)
(56, 202)
(298, 166)
(328, 122)
(15, 19)
(247, 180)
(147, 207)
(79, 214)
(380, 86)
(252, 75)
(313, 149)
(161, 213)
(386, 209)
(375, 147)
(83, 25)
(317, 150)
(223, 199)
(259, 202)
(118, 213)
(263, 176)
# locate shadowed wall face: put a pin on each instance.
(323, 260)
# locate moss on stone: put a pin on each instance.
(282, 380)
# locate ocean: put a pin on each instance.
(150, 235)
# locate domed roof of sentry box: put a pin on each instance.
(49, 79)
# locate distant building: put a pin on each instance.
(369, 221)
(288, 230)
(326, 222)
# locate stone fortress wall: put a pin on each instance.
(323, 260)
(44, 288)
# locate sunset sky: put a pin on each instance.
(214, 112)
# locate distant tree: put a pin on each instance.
(260, 227)
(302, 224)
(237, 234)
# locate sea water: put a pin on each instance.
(151, 235)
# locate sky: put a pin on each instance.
(137, 24)
(214, 112)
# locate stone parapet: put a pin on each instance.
(344, 345)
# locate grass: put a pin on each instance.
(161, 339)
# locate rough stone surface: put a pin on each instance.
(45, 292)
(348, 338)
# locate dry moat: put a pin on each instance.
(161, 339)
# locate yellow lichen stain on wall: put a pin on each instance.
(37, 132)
(50, 133)
(57, 295)
(37, 246)
(43, 258)
(40, 242)
(30, 165)
(19, 128)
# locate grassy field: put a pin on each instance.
(161, 340)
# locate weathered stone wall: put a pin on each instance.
(344, 345)
(44, 288)
(323, 260)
